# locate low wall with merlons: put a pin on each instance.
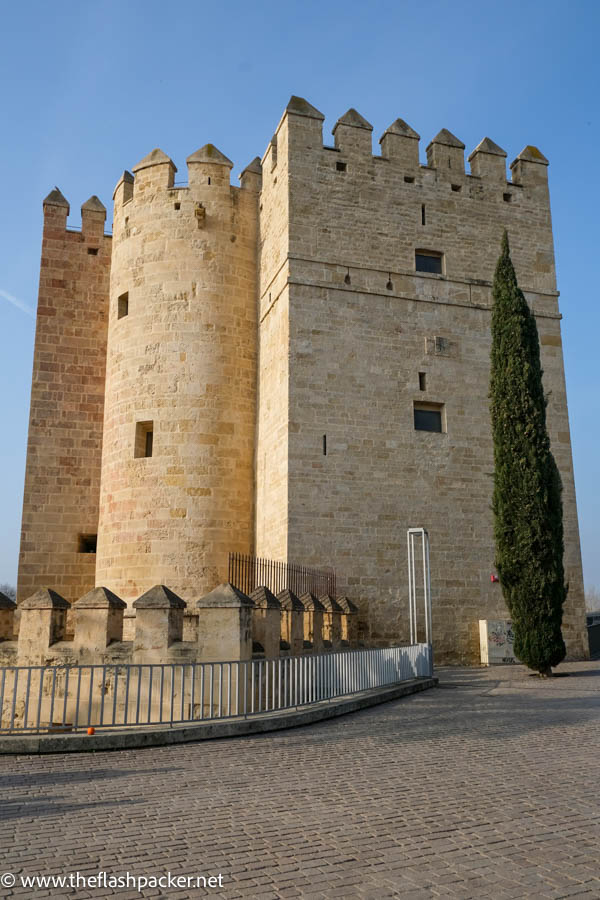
(224, 625)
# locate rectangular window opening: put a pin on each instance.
(123, 305)
(87, 543)
(341, 166)
(456, 188)
(144, 439)
(422, 381)
(423, 214)
(428, 261)
(93, 251)
(429, 417)
(409, 179)
(507, 197)
(178, 206)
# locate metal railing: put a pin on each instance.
(249, 572)
(422, 535)
(62, 699)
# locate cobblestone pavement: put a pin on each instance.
(486, 787)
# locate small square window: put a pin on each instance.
(178, 206)
(123, 305)
(341, 166)
(428, 261)
(456, 188)
(507, 197)
(87, 543)
(92, 251)
(429, 417)
(144, 439)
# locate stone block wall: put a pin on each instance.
(62, 476)
(370, 338)
(181, 366)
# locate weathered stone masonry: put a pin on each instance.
(275, 339)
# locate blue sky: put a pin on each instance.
(90, 88)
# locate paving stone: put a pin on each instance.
(483, 791)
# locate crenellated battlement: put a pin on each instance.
(348, 208)
(207, 168)
(400, 146)
(93, 217)
(228, 625)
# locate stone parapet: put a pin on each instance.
(43, 624)
(313, 622)
(98, 623)
(227, 625)
(332, 622)
(266, 617)
(292, 621)
(158, 624)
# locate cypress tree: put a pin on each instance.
(527, 503)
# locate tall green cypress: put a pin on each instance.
(527, 503)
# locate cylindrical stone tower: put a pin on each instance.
(177, 459)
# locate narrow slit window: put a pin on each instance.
(144, 439)
(428, 261)
(422, 381)
(429, 417)
(123, 305)
(324, 445)
(423, 220)
(209, 179)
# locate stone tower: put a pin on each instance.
(178, 451)
(297, 368)
(374, 311)
(62, 475)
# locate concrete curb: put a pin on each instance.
(135, 737)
